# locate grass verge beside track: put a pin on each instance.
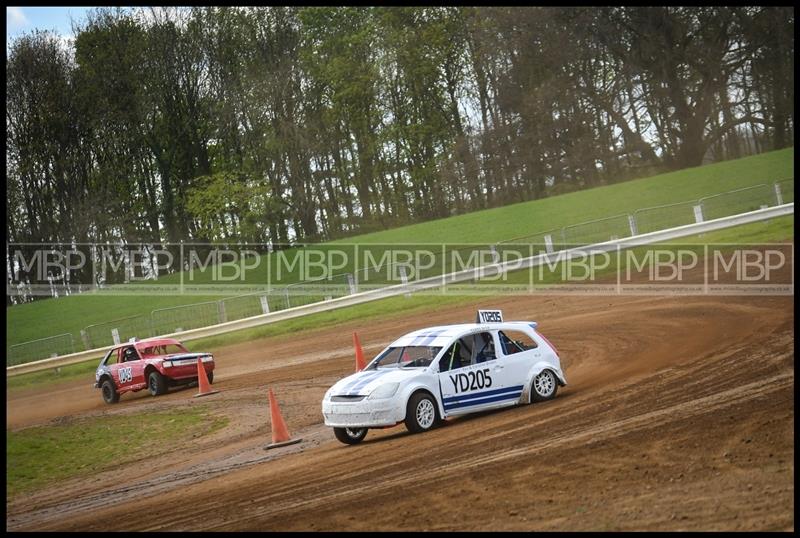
(35, 456)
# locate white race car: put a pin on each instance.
(439, 372)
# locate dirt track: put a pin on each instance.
(679, 414)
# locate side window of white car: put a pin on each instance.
(515, 342)
(484, 348)
(457, 355)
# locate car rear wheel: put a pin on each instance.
(210, 376)
(544, 386)
(420, 413)
(350, 436)
(156, 383)
(109, 392)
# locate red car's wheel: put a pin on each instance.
(156, 383)
(109, 392)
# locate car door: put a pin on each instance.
(505, 374)
(120, 372)
(467, 383)
(518, 353)
(137, 369)
(129, 371)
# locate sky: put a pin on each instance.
(21, 20)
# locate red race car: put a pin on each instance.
(154, 364)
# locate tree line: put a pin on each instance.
(288, 124)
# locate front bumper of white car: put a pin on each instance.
(365, 413)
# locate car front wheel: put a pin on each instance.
(350, 436)
(109, 391)
(420, 413)
(544, 386)
(156, 383)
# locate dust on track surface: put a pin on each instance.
(678, 415)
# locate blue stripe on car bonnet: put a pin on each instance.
(357, 380)
(353, 390)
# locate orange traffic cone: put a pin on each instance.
(202, 381)
(360, 363)
(280, 434)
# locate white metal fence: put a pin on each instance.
(197, 315)
(650, 219)
(52, 346)
(595, 231)
(115, 331)
(738, 201)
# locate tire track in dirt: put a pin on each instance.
(392, 478)
(600, 432)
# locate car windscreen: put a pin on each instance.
(406, 357)
(163, 349)
(110, 358)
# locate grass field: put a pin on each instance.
(779, 230)
(70, 314)
(36, 456)
(508, 222)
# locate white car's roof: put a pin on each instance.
(442, 335)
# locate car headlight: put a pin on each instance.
(386, 390)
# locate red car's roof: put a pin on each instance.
(156, 342)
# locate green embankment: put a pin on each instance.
(503, 223)
(71, 314)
